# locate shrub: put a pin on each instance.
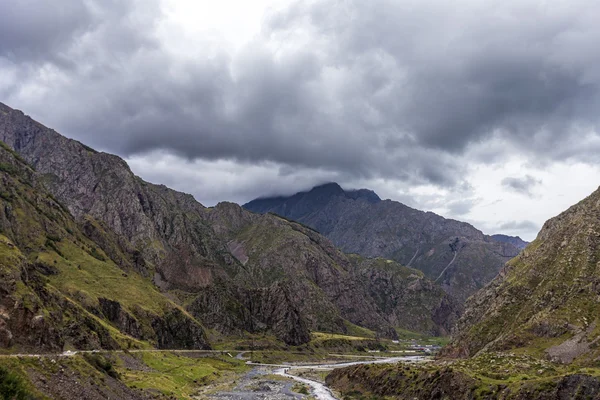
(102, 364)
(12, 386)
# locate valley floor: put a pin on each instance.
(171, 375)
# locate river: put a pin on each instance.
(321, 391)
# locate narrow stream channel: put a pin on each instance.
(321, 391)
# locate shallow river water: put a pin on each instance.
(321, 391)
(257, 384)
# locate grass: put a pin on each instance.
(322, 336)
(355, 330)
(301, 388)
(81, 272)
(404, 334)
(246, 342)
(483, 376)
(125, 341)
(177, 375)
(13, 386)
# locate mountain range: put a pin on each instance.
(149, 265)
(454, 254)
(94, 257)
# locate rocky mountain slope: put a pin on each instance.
(58, 289)
(232, 270)
(532, 333)
(454, 254)
(514, 240)
(406, 297)
(546, 300)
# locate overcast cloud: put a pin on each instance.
(410, 98)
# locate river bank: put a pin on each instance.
(285, 382)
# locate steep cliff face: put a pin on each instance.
(454, 254)
(546, 300)
(164, 226)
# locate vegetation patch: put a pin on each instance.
(12, 386)
(178, 375)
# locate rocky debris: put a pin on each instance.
(572, 348)
(257, 384)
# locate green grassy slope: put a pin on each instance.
(60, 290)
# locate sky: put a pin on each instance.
(484, 111)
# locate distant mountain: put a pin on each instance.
(454, 254)
(221, 268)
(546, 301)
(514, 240)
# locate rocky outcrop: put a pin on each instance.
(454, 254)
(175, 330)
(114, 312)
(263, 310)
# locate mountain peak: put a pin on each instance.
(514, 240)
(330, 188)
(366, 194)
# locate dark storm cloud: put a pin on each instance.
(522, 185)
(37, 30)
(461, 207)
(388, 89)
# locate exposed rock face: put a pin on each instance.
(114, 312)
(514, 240)
(165, 226)
(291, 265)
(407, 299)
(547, 297)
(455, 254)
(175, 330)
